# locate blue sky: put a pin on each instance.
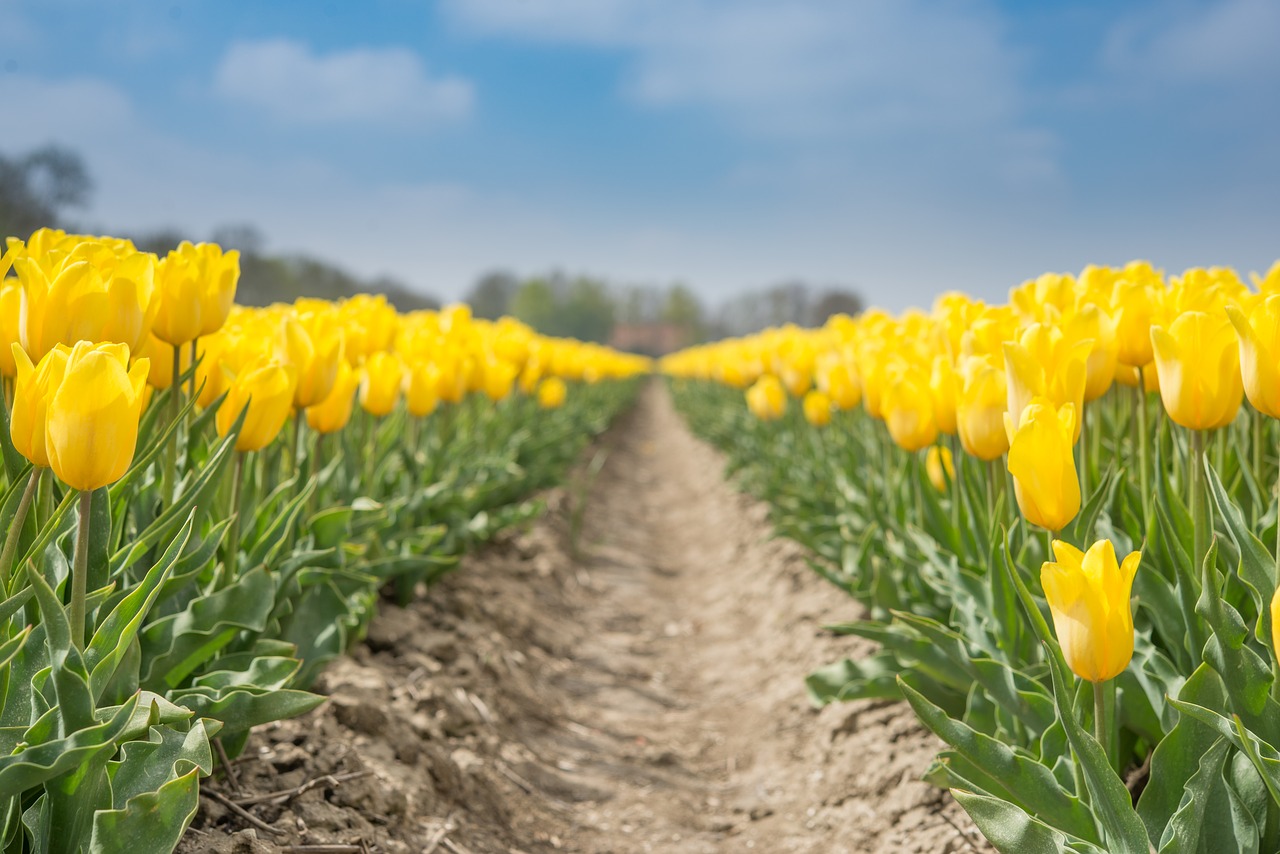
(900, 146)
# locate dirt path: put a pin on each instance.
(643, 695)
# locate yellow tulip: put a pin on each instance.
(1045, 482)
(10, 312)
(422, 389)
(1043, 363)
(1093, 324)
(551, 393)
(91, 295)
(940, 467)
(817, 408)
(34, 387)
(1198, 361)
(314, 354)
(1134, 301)
(499, 379)
(219, 273)
(332, 414)
(1259, 335)
(380, 383)
(1088, 594)
(266, 388)
(980, 410)
(767, 399)
(945, 386)
(1275, 616)
(91, 427)
(179, 293)
(908, 411)
(160, 355)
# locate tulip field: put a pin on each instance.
(1060, 515)
(202, 503)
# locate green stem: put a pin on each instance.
(1103, 713)
(80, 572)
(1144, 464)
(1083, 453)
(15, 528)
(1202, 526)
(195, 357)
(1255, 445)
(232, 552)
(170, 474)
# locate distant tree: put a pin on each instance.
(683, 309)
(490, 297)
(587, 312)
(37, 187)
(242, 236)
(159, 242)
(535, 304)
(836, 301)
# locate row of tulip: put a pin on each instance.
(244, 482)
(973, 475)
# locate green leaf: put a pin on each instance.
(1110, 799)
(1012, 831)
(117, 632)
(243, 707)
(874, 677)
(176, 645)
(1210, 817)
(1022, 780)
(1257, 568)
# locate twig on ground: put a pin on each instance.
(439, 836)
(324, 849)
(233, 777)
(286, 795)
(240, 811)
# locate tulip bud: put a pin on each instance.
(314, 354)
(940, 467)
(1040, 459)
(34, 387)
(380, 384)
(332, 414)
(767, 399)
(179, 291)
(551, 393)
(980, 410)
(908, 411)
(422, 389)
(91, 427)
(1088, 594)
(10, 312)
(1259, 335)
(499, 378)
(944, 385)
(1198, 362)
(1043, 363)
(266, 388)
(817, 408)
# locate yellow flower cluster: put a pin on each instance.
(88, 325)
(1014, 378)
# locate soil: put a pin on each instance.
(623, 676)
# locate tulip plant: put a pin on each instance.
(202, 502)
(1089, 702)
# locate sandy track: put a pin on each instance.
(642, 695)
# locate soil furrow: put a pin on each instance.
(639, 690)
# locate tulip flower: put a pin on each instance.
(1088, 595)
(10, 312)
(90, 296)
(1259, 335)
(767, 399)
(219, 273)
(1043, 363)
(1134, 301)
(161, 356)
(1275, 616)
(908, 411)
(314, 354)
(1040, 459)
(945, 388)
(1198, 362)
(499, 379)
(332, 414)
(817, 408)
(266, 388)
(1091, 323)
(422, 389)
(380, 383)
(34, 387)
(940, 467)
(980, 410)
(179, 292)
(551, 393)
(91, 420)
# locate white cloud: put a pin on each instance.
(1228, 42)
(802, 67)
(387, 86)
